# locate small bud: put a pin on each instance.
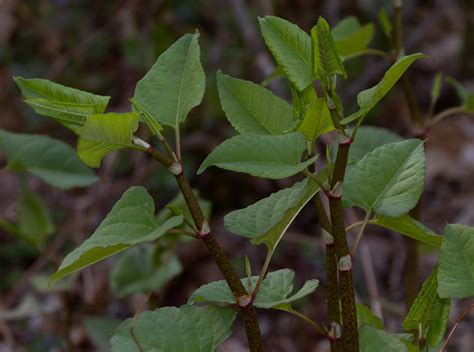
(205, 230)
(345, 263)
(328, 239)
(176, 169)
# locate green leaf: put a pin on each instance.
(131, 221)
(369, 138)
(267, 220)
(274, 292)
(326, 60)
(171, 329)
(409, 227)
(372, 339)
(154, 126)
(105, 133)
(251, 108)
(68, 106)
(317, 120)
(429, 313)
(138, 270)
(368, 98)
(466, 96)
(175, 84)
(436, 87)
(260, 155)
(53, 161)
(456, 262)
(99, 330)
(34, 222)
(385, 23)
(389, 180)
(352, 38)
(291, 48)
(367, 317)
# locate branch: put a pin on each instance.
(458, 321)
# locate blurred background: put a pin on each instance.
(105, 47)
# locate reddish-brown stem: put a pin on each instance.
(455, 326)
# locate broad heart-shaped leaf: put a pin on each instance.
(326, 60)
(171, 329)
(105, 133)
(317, 120)
(68, 106)
(291, 48)
(351, 38)
(456, 262)
(175, 84)
(372, 339)
(34, 222)
(429, 313)
(409, 227)
(141, 269)
(267, 220)
(368, 98)
(275, 292)
(367, 317)
(389, 180)
(54, 161)
(251, 108)
(260, 155)
(131, 221)
(368, 138)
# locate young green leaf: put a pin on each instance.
(429, 313)
(105, 133)
(372, 339)
(409, 227)
(34, 222)
(456, 262)
(138, 270)
(436, 87)
(175, 84)
(260, 155)
(368, 98)
(131, 221)
(317, 120)
(171, 329)
(291, 48)
(52, 160)
(267, 220)
(275, 292)
(326, 60)
(251, 108)
(68, 106)
(153, 124)
(350, 37)
(389, 180)
(385, 23)
(365, 316)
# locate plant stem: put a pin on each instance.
(360, 232)
(178, 142)
(458, 321)
(263, 272)
(332, 294)
(450, 111)
(338, 231)
(248, 312)
(308, 320)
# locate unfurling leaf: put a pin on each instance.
(131, 221)
(368, 98)
(317, 120)
(105, 133)
(429, 313)
(267, 220)
(68, 106)
(251, 108)
(389, 180)
(174, 85)
(54, 161)
(326, 60)
(260, 155)
(276, 291)
(456, 262)
(291, 48)
(171, 329)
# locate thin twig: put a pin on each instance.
(263, 272)
(308, 320)
(441, 115)
(360, 232)
(455, 326)
(178, 142)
